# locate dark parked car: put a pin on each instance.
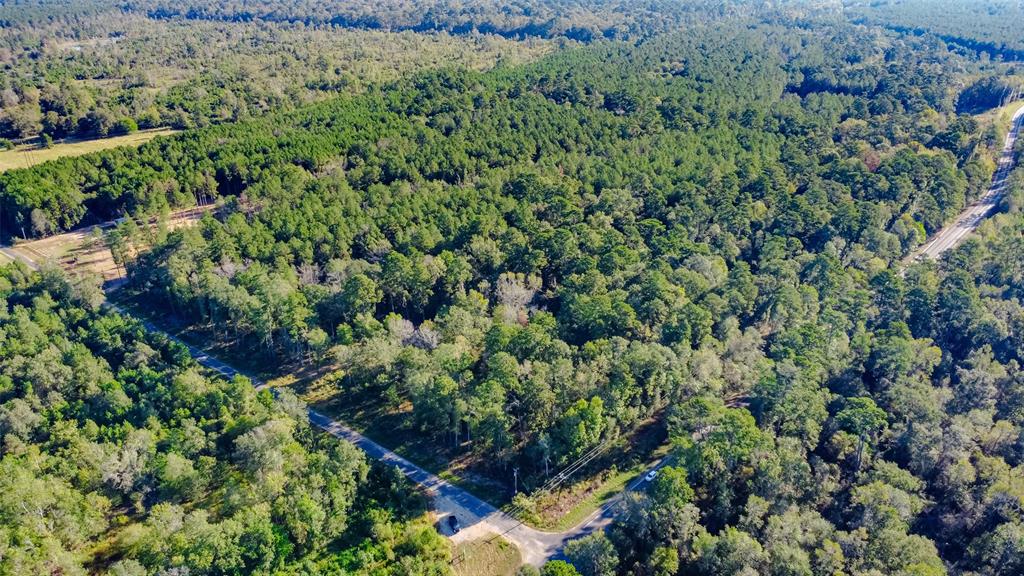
(453, 523)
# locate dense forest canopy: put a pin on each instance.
(575, 19)
(705, 229)
(991, 26)
(113, 438)
(107, 72)
(670, 89)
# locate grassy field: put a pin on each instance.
(27, 155)
(1008, 111)
(487, 556)
(80, 250)
(1002, 116)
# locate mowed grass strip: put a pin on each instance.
(487, 556)
(27, 155)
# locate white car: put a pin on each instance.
(651, 475)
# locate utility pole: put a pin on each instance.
(515, 480)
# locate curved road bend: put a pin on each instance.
(478, 518)
(972, 216)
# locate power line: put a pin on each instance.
(552, 483)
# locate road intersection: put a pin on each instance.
(479, 518)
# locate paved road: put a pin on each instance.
(17, 256)
(972, 217)
(478, 518)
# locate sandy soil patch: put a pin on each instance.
(84, 250)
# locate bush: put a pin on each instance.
(125, 126)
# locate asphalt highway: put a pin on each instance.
(972, 216)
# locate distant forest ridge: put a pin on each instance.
(970, 43)
(582, 21)
(991, 26)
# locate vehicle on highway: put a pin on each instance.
(453, 524)
(651, 475)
